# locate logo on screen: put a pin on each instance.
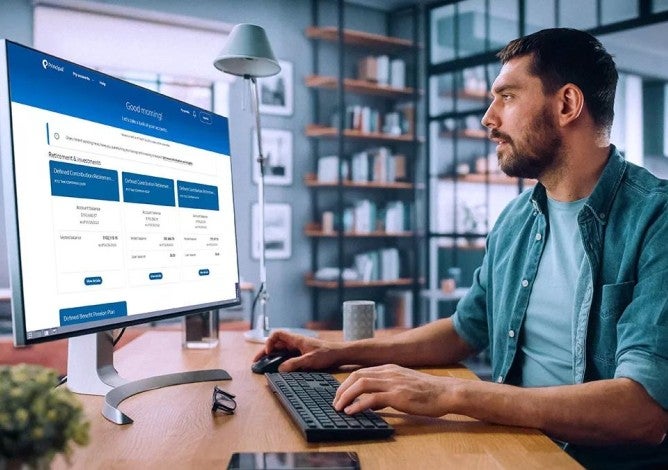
(48, 65)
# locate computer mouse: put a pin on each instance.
(271, 361)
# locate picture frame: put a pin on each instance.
(277, 150)
(277, 232)
(276, 92)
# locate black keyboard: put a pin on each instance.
(308, 397)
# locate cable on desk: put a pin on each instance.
(255, 299)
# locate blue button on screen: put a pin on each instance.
(93, 281)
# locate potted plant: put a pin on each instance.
(37, 419)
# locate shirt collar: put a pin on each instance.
(601, 198)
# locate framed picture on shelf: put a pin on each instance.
(276, 92)
(277, 149)
(277, 231)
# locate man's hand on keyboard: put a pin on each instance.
(403, 389)
(316, 354)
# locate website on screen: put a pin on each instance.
(124, 197)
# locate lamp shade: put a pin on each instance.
(247, 52)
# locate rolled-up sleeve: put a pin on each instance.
(470, 319)
(642, 330)
(649, 369)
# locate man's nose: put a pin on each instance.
(490, 119)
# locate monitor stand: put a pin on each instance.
(91, 371)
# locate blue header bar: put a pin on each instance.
(47, 82)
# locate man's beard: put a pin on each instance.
(536, 153)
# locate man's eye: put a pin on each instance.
(505, 97)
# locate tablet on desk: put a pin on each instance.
(294, 461)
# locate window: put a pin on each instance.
(168, 53)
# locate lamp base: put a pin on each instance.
(258, 335)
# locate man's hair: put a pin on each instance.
(564, 55)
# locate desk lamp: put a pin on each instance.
(247, 53)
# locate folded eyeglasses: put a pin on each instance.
(223, 401)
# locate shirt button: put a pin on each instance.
(602, 215)
(539, 236)
(525, 283)
(500, 379)
(511, 333)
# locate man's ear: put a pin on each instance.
(570, 103)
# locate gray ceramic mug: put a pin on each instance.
(358, 319)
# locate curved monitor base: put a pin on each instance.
(91, 371)
(118, 394)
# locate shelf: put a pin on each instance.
(475, 134)
(437, 294)
(496, 178)
(315, 230)
(359, 38)
(353, 85)
(311, 282)
(474, 242)
(471, 95)
(311, 182)
(314, 130)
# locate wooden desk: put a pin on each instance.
(174, 426)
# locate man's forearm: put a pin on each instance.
(433, 344)
(601, 412)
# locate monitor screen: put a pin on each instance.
(118, 200)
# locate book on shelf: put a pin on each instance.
(399, 164)
(378, 265)
(363, 119)
(359, 167)
(381, 316)
(396, 216)
(378, 165)
(382, 171)
(389, 264)
(397, 73)
(364, 216)
(367, 68)
(407, 120)
(367, 120)
(328, 169)
(383, 70)
(331, 273)
(393, 123)
(348, 220)
(398, 308)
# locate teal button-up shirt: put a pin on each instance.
(621, 297)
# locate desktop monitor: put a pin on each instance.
(118, 206)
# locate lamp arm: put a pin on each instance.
(263, 295)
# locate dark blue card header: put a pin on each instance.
(47, 82)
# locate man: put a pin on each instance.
(571, 294)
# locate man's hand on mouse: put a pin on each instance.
(316, 354)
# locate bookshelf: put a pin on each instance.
(365, 92)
